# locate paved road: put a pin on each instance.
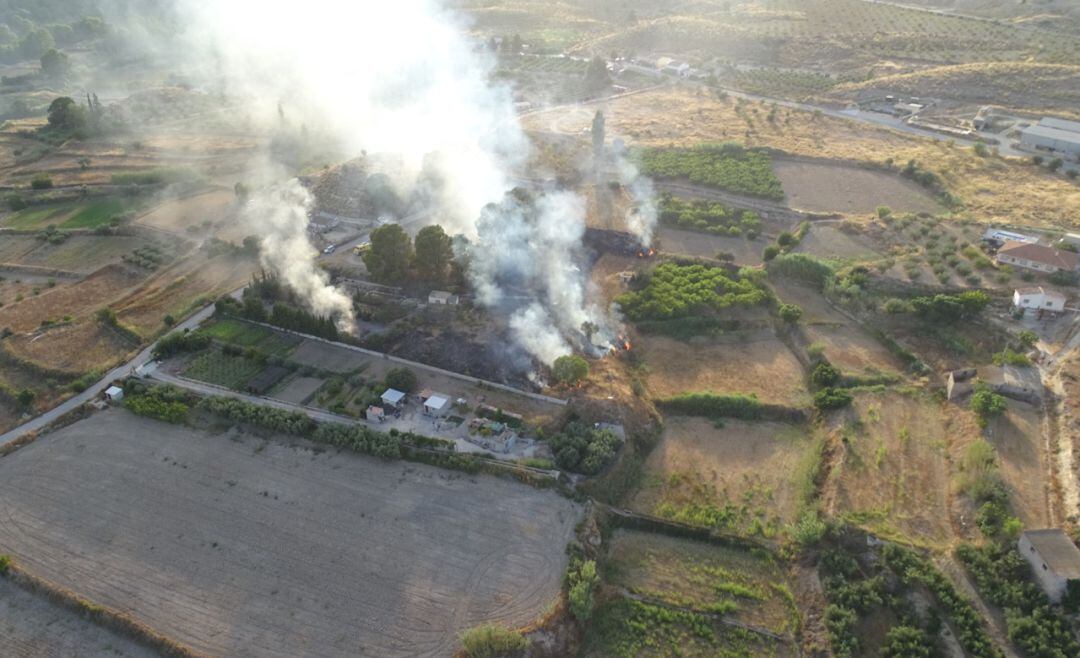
(95, 390)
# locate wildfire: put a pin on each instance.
(646, 253)
(621, 343)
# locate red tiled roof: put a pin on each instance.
(1065, 260)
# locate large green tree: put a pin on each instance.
(434, 252)
(390, 254)
(65, 114)
(570, 369)
(597, 78)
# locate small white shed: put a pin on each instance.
(437, 405)
(114, 394)
(393, 397)
(443, 297)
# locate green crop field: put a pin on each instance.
(213, 367)
(69, 215)
(724, 166)
(245, 334)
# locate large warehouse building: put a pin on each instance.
(1052, 134)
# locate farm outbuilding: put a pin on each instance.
(114, 394)
(393, 398)
(1038, 299)
(443, 297)
(1056, 135)
(437, 405)
(1054, 559)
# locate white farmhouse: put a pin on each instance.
(443, 297)
(1037, 257)
(1038, 299)
(1054, 559)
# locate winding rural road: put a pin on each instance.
(95, 390)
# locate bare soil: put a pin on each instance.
(698, 462)
(829, 241)
(33, 627)
(76, 300)
(836, 187)
(240, 546)
(702, 245)
(299, 389)
(755, 363)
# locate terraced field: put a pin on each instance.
(239, 546)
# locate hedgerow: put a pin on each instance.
(746, 407)
(801, 267)
(725, 166)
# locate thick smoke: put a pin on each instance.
(402, 79)
(279, 215)
(641, 220)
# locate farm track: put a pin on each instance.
(242, 547)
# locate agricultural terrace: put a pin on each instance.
(72, 215)
(673, 291)
(723, 166)
(736, 476)
(373, 557)
(687, 117)
(892, 474)
(679, 597)
(709, 217)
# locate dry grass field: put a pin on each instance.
(1018, 438)
(828, 241)
(828, 188)
(75, 300)
(176, 215)
(76, 348)
(687, 116)
(891, 473)
(700, 576)
(33, 627)
(702, 245)
(749, 465)
(245, 547)
(78, 253)
(757, 363)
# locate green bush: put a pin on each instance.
(832, 398)
(165, 403)
(181, 341)
(581, 448)
(986, 403)
(5, 564)
(801, 267)
(491, 641)
(570, 369)
(825, 375)
(582, 580)
(789, 313)
(402, 379)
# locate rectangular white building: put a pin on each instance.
(1038, 299)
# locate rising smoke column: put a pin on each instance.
(402, 79)
(280, 215)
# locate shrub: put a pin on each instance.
(570, 369)
(832, 398)
(789, 313)
(770, 252)
(491, 641)
(5, 564)
(181, 341)
(402, 379)
(41, 182)
(803, 268)
(895, 306)
(582, 582)
(986, 403)
(809, 529)
(884, 211)
(825, 375)
(583, 449)
(906, 641)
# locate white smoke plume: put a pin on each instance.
(641, 220)
(280, 215)
(402, 79)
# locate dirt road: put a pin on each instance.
(239, 546)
